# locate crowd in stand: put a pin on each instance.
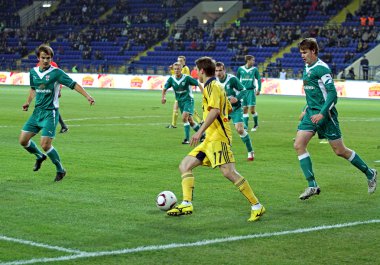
(193, 36)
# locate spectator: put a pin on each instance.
(351, 74)
(364, 64)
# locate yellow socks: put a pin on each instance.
(244, 187)
(174, 118)
(187, 186)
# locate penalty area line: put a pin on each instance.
(193, 244)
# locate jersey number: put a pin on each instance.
(220, 157)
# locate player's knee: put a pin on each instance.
(23, 142)
(183, 167)
(45, 146)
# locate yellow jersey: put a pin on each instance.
(214, 97)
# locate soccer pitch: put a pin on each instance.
(119, 156)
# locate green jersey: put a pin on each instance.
(247, 77)
(319, 87)
(46, 84)
(182, 86)
(233, 88)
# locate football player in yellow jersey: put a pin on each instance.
(215, 150)
(185, 70)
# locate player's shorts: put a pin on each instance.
(213, 154)
(186, 106)
(237, 115)
(42, 120)
(327, 128)
(249, 100)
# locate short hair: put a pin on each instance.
(46, 49)
(310, 44)
(182, 57)
(207, 64)
(248, 57)
(177, 63)
(219, 64)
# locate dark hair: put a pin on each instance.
(309, 44)
(207, 64)
(248, 57)
(219, 64)
(46, 49)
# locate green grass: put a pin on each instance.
(119, 156)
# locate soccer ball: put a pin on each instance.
(166, 200)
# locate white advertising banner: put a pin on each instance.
(350, 89)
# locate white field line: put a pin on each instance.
(194, 244)
(35, 244)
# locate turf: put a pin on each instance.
(119, 156)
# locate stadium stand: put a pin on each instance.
(139, 37)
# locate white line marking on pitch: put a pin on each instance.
(35, 244)
(194, 244)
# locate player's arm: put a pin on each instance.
(211, 116)
(83, 92)
(258, 77)
(31, 96)
(240, 88)
(330, 99)
(195, 82)
(163, 99)
(303, 112)
(165, 89)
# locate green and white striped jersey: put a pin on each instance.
(181, 86)
(319, 87)
(46, 84)
(247, 77)
(233, 88)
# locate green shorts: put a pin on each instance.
(249, 99)
(186, 106)
(42, 120)
(236, 116)
(327, 128)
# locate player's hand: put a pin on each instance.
(233, 100)
(301, 115)
(257, 92)
(25, 107)
(316, 118)
(91, 100)
(195, 138)
(163, 100)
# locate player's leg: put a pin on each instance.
(257, 210)
(175, 115)
(186, 127)
(245, 110)
(341, 150)
(300, 145)
(244, 136)
(47, 135)
(255, 117)
(64, 127)
(29, 130)
(186, 166)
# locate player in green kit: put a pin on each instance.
(182, 86)
(321, 117)
(235, 93)
(247, 74)
(45, 83)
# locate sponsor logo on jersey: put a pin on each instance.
(45, 91)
